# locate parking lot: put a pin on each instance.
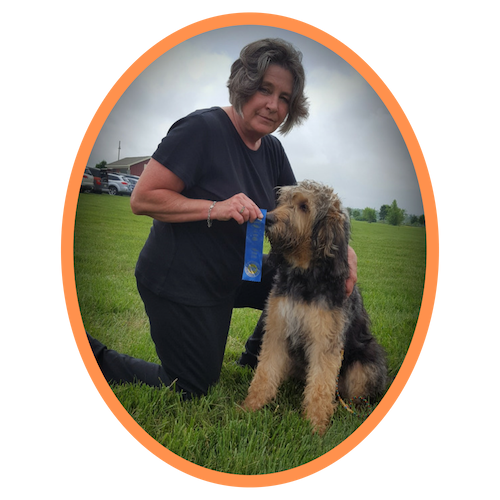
(100, 181)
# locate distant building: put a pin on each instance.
(133, 165)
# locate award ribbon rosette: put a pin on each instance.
(254, 245)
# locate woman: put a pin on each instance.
(214, 171)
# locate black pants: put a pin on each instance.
(190, 341)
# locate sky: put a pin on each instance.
(350, 140)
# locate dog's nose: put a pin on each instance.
(270, 219)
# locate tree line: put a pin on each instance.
(390, 214)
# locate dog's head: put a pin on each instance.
(309, 224)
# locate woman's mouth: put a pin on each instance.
(267, 120)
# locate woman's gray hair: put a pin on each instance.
(248, 71)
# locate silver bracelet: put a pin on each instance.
(209, 220)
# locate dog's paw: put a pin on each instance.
(320, 420)
(320, 429)
(319, 426)
(251, 404)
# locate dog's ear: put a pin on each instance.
(331, 238)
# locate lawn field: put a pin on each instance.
(212, 431)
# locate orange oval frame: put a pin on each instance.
(68, 227)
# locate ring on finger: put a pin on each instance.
(242, 209)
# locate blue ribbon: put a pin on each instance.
(254, 246)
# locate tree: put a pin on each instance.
(395, 215)
(102, 164)
(370, 215)
(421, 219)
(384, 210)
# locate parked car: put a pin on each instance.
(87, 181)
(117, 184)
(132, 179)
(100, 180)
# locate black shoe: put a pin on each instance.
(247, 359)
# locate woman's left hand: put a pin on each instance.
(353, 270)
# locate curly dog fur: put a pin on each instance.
(312, 329)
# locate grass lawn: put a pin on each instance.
(211, 431)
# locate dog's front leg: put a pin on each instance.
(321, 386)
(274, 360)
(324, 360)
(265, 384)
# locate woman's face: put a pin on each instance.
(266, 110)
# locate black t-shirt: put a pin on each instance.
(189, 262)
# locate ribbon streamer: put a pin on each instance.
(254, 246)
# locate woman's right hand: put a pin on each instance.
(239, 207)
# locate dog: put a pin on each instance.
(313, 330)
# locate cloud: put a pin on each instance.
(183, 79)
(352, 142)
(349, 141)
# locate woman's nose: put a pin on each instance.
(272, 102)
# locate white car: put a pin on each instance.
(87, 181)
(118, 184)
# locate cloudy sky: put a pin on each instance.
(350, 140)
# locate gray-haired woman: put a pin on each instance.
(215, 170)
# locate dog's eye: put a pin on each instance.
(304, 207)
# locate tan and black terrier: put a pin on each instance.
(312, 328)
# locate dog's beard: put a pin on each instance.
(278, 240)
(284, 242)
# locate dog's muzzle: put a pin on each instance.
(270, 219)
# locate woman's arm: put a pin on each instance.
(158, 195)
(353, 270)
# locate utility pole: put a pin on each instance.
(119, 142)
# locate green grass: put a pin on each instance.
(212, 431)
